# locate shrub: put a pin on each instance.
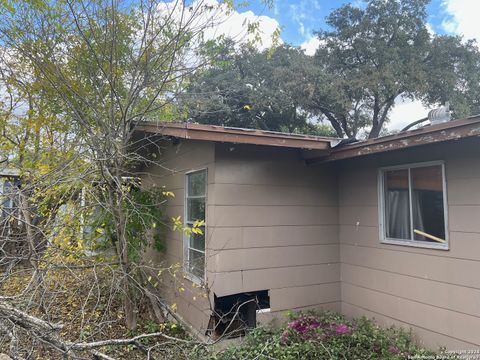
(323, 336)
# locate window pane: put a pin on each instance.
(197, 183)
(195, 209)
(397, 208)
(197, 241)
(197, 263)
(427, 202)
(7, 196)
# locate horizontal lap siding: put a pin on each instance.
(192, 302)
(435, 292)
(271, 216)
(273, 257)
(274, 226)
(232, 237)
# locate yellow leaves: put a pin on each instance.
(177, 223)
(197, 231)
(168, 194)
(195, 228)
(247, 107)
(68, 247)
(173, 307)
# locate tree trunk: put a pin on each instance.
(123, 256)
(31, 240)
(379, 119)
(375, 132)
(335, 123)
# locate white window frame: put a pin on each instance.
(10, 205)
(381, 207)
(186, 238)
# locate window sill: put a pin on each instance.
(194, 279)
(416, 244)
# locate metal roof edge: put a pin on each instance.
(452, 130)
(237, 135)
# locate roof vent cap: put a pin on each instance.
(440, 115)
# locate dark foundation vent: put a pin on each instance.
(235, 314)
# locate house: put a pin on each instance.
(387, 228)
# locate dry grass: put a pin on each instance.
(88, 303)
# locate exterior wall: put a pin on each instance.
(273, 226)
(309, 235)
(192, 302)
(435, 292)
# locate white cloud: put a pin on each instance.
(405, 112)
(430, 29)
(234, 25)
(214, 19)
(463, 18)
(310, 45)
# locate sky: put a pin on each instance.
(299, 19)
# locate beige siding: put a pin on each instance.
(274, 227)
(309, 235)
(192, 303)
(434, 292)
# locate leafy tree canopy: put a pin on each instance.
(252, 89)
(371, 56)
(367, 59)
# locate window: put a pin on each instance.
(195, 204)
(8, 204)
(413, 205)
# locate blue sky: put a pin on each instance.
(300, 18)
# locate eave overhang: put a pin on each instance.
(237, 135)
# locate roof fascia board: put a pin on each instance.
(454, 130)
(237, 136)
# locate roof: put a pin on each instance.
(6, 172)
(237, 135)
(448, 131)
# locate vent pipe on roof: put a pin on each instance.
(440, 115)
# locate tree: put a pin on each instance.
(248, 88)
(453, 75)
(107, 66)
(34, 141)
(369, 57)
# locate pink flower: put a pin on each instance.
(304, 324)
(342, 329)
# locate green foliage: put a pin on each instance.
(367, 59)
(252, 89)
(318, 336)
(144, 216)
(370, 56)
